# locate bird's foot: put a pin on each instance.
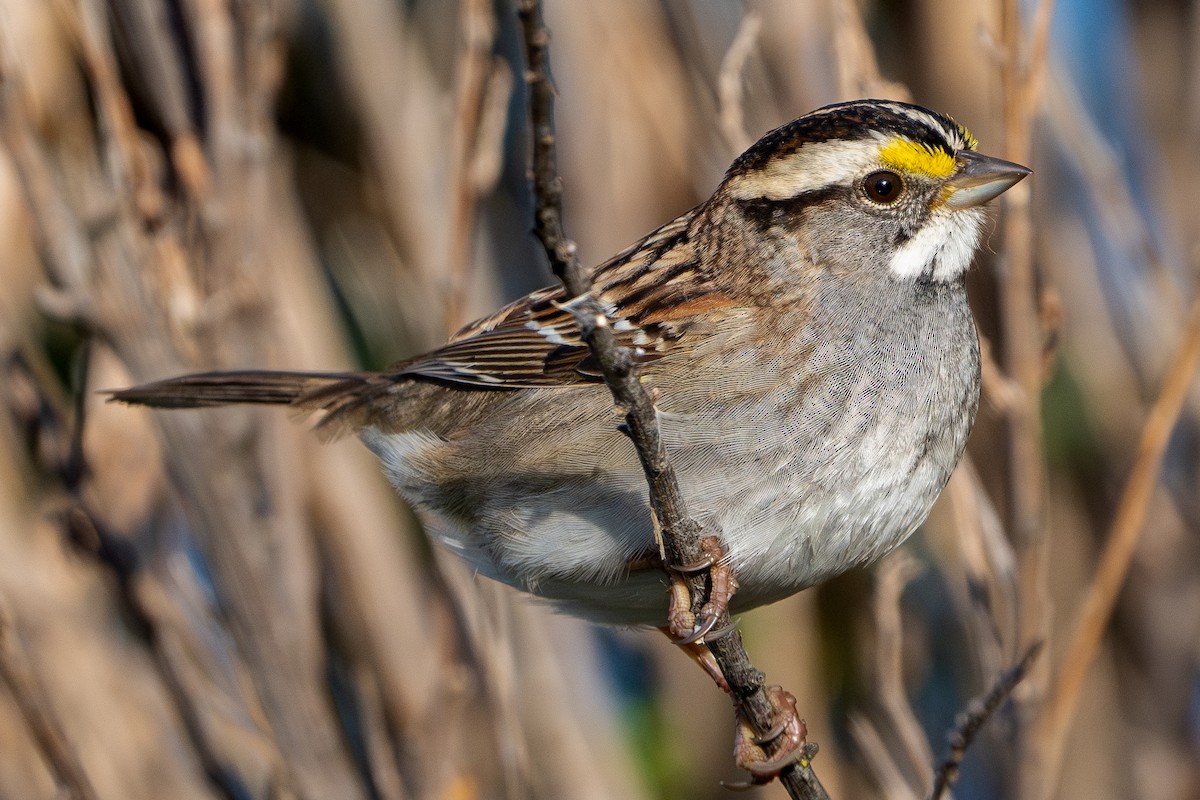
(788, 729)
(685, 626)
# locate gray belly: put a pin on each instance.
(805, 471)
(848, 462)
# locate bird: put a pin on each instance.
(807, 336)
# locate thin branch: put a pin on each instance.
(1024, 339)
(894, 574)
(1107, 183)
(1050, 730)
(1021, 320)
(473, 66)
(16, 671)
(1003, 392)
(880, 761)
(857, 68)
(968, 725)
(729, 84)
(60, 448)
(988, 567)
(680, 534)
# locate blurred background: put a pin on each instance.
(217, 604)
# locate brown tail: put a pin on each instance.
(251, 386)
(350, 400)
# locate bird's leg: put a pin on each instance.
(686, 626)
(691, 630)
(749, 751)
(688, 629)
(699, 652)
(748, 747)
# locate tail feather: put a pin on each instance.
(350, 400)
(223, 388)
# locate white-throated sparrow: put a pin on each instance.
(807, 327)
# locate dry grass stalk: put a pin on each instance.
(894, 574)
(59, 754)
(1050, 730)
(729, 84)
(472, 79)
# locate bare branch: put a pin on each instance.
(969, 723)
(729, 84)
(681, 535)
(881, 764)
(1023, 335)
(474, 64)
(894, 574)
(1050, 730)
(16, 671)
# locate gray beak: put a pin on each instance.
(980, 178)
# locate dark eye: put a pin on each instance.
(883, 186)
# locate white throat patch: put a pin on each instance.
(944, 246)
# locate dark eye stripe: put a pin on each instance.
(766, 211)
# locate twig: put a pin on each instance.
(1024, 341)
(975, 717)
(857, 68)
(1022, 329)
(894, 574)
(473, 63)
(880, 761)
(60, 446)
(1107, 181)
(16, 671)
(1003, 392)
(1050, 729)
(988, 566)
(680, 535)
(729, 84)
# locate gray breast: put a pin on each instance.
(843, 464)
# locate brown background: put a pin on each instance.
(218, 605)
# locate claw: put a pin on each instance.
(739, 786)
(680, 619)
(776, 731)
(706, 625)
(706, 561)
(690, 630)
(704, 659)
(721, 632)
(687, 627)
(748, 751)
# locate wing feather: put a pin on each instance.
(656, 292)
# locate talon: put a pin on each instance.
(690, 630)
(748, 751)
(723, 585)
(776, 731)
(706, 561)
(769, 770)
(722, 632)
(741, 786)
(700, 632)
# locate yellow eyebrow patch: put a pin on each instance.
(912, 157)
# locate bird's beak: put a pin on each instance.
(980, 178)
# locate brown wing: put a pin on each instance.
(656, 293)
(653, 292)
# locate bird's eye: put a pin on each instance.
(883, 186)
